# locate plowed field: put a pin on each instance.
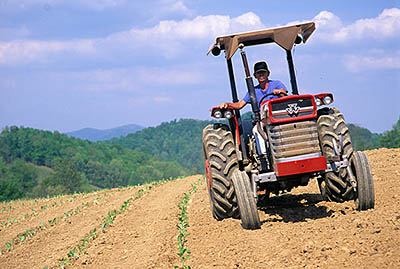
(298, 228)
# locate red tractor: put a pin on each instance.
(288, 141)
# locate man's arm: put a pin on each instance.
(237, 105)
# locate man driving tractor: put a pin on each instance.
(265, 86)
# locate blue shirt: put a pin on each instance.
(272, 85)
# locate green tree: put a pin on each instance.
(362, 138)
(25, 174)
(391, 139)
(66, 177)
(9, 190)
(9, 187)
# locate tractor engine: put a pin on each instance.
(290, 125)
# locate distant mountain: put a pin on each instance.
(95, 135)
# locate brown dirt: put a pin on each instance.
(298, 229)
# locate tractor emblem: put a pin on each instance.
(292, 109)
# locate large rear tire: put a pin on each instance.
(246, 201)
(365, 196)
(220, 162)
(335, 186)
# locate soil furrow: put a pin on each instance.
(301, 230)
(145, 236)
(52, 244)
(45, 209)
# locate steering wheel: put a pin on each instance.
(269, 94)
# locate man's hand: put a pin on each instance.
(279, 92)
(223, 105)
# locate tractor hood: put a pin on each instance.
(283, 36)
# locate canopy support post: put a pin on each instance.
(237, 112)
(293, 81)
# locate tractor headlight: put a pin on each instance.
(218, 114)
(318, 101)
(228, 114)
(327, 100)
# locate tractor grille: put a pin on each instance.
(293, 139)
(292, 108)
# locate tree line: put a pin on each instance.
(363, 139)
(35, 163)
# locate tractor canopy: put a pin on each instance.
(285, 37)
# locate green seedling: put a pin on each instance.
(103, 226)
(64, 262)
(21, 237)
(93, 234)
(10, 245)
(84, 241)
(73, 254)
(183, 251)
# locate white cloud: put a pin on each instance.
(355, 63)
(331, 29)
(168, 38)
(171, 37)
(173, 6)
(23, 52)
(199, 28)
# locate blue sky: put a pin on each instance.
(68, 64)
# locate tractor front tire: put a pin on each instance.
(365, 196)
(246, 201)
(335, 186)
(220, 162)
